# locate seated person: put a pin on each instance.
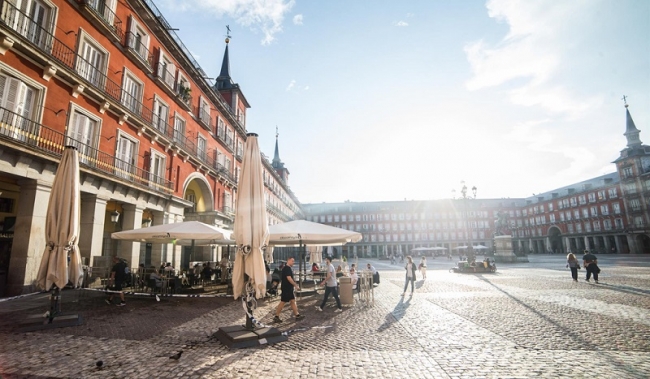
(314, 267)
(375, 274)
(155, 279)
(206, 273)
(354, 278)
(339, 271)
(271, 283)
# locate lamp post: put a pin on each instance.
(468, 228)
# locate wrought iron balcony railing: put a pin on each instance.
(102, 10)
(37, 137)
(165, 75)
(134, 43)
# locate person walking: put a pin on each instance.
(287, 285)
(118, 274)
(423, 267)
(410, 274)
(591, 265)
(574, 265)
(330, 286)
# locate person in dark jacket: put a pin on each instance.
(591, 265)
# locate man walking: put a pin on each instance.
(118, 274)
(287, 284)
(330, 286)
(590, 262)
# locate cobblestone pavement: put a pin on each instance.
(527, 320)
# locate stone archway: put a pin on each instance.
(643, 243)
(197, 189)
(555, 240)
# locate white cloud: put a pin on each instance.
(297, 19)
(292, 83)
(264, 15)
(401, 23)
(532, 55)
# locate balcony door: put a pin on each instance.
(16, 105)
(161, 115)
(131, 94)
(126, 154)
(82, 133)
(92, 63)
(157, 169)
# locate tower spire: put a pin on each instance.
(631, 131)
(224, 81)
(277, 163)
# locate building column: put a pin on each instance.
(131, 219)
(29, 237)
(608, 245)
(631, 242)
(158, 218)
(93, 209)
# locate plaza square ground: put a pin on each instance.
(527, 320)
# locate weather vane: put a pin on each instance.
(228, 36)
(624, 100)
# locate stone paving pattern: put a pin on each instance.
(528, 320)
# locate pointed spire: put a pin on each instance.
(224, 80)
(277, 163)
(631, 132)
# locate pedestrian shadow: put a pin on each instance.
(567, 331)
(396, 314)
(419, 284)
(624, 289)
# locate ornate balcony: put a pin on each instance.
(103, 17)
(38, 138)
(138, 52)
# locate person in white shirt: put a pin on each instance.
(354, 278)
(423, 267)
(330, 286)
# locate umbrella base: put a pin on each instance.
(238, 337)
(38, 322)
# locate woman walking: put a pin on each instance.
(410, 274)
(574, 265)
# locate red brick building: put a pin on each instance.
(158, 142)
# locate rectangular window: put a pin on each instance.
(204, 113)
(630, 188)
(618, 223)
(604, 210)
(92, 62)
(550, 207)
(83, 132)
(132, 93)
(160, 115)
(638, 221)
(616, 207)
(592, 197)
(607, 224)
(552, 217)
(596, 226)
(612, 193)
(157, 169)
(166, 70)
(582, 199)
(126, 154)
(17, 103)
(635, 204)
(594, 211)
(601, 195)
(576, 214)
(585, 212)
(201, 149)
(137, 39)
(179, 130)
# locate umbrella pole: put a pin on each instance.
(55, 303)
(249, 310)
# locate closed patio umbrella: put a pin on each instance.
(315, 254)
(251, 231)
(61, 262)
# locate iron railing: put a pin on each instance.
(165, 75)
(133, 42)
(38, 137)
(102, 10)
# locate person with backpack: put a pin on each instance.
(118, 275)
(410, 274)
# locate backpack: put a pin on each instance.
(127, 269)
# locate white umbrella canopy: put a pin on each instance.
(301, 232)
(251, 226)
(460, 247)
(203, 234)
(479, 247)
(62, 227)
(268, 254)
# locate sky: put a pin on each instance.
(402, 100)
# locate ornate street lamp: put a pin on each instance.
(468, 228)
